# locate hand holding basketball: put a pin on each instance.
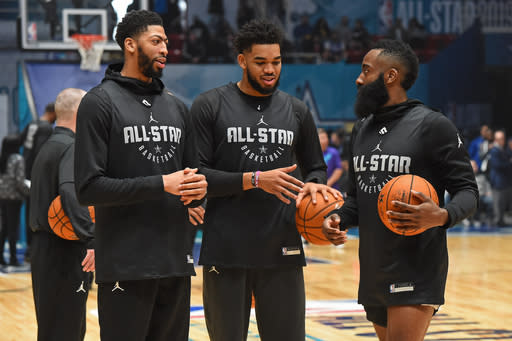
(426, 215)
(408, 205)
(311, 188)
(331, 230)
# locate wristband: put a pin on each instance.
(257, 179)
(253, 179)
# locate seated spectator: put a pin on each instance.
(194, 50)
(500, 171)
(302, 33)
(397, 31)
(333, 48)
(343, 30)
(200, 29)
(360, 39)
(321, 29)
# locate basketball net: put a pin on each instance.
(91, 49)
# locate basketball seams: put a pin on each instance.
(322, 210)
(411, 186)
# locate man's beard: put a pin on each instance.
(371, 97)
(146, 65)
(256, 86)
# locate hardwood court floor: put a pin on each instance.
(478, 296)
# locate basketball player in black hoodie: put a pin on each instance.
(250, 135)
(402, 277)
(133, 146)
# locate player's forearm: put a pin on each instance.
(222, 183)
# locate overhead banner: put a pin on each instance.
(448, 16)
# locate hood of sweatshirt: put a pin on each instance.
(136, 86)
(392, 112)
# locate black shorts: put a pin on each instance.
(379, 314)
(279, 302)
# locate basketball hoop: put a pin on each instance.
(91, 49)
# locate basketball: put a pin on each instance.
(399, 188)
(59, 221)
(310, 217)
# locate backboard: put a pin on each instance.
(49, 24)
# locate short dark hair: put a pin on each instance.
(134, 23)
(257, 31)
(402, 53)
(50, 107)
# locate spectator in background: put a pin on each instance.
(194, 50)
(484, 212)
(200, 29)
(13, 190)
(483, 150)
(32, 137)
(397, 31)
(321, 30)
(337, 140)
(509, 144)
(360, 39)
(500, 172)
(474, 145)
(303, 34)
(221, 35)
(333, 48)
(416, 34)
(36, 133)
(245, 13)
(343, 181)
(331, 158)
(344, 31)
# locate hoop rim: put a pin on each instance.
(86, 40)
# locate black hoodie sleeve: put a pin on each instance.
(92, 185)
(349, 212)
(77, 214)
(452, 164)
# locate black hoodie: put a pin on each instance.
(129, 133)
(405, 138)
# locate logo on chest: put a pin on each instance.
(375, 170)
(156, 142)
(260, 143)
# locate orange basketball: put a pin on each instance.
(399, 188)
(59, 221)
(309, 217)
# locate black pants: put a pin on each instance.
(151, 310)
(60, 287)
(279, 303)
(10, 227)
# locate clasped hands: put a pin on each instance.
(187, 184)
